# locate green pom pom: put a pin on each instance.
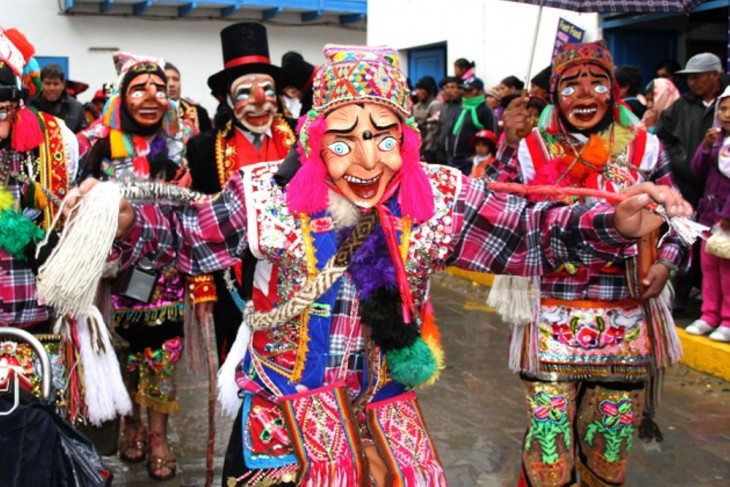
(16, 232)
(412, 365)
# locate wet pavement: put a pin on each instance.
(476, 414)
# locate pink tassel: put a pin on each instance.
(27, 132)
(307, 191)
(415, 196)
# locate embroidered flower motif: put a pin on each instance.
(616, 414)
(587, 337)
(173, 347)
(614, 335)
(562, 333)
(549, 408)
(153, 359)
(8, 347)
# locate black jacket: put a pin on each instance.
(682, 129)
(66, 108)
(457, 145)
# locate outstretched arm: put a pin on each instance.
(199, 237)
(509, 235)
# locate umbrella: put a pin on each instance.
(605, 6)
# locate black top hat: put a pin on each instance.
(300, 72)
(245, 50)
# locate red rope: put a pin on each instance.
(555, 191)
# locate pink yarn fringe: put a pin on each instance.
(307, 191)
(27, 132)
(415, 196)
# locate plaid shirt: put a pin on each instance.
(594, 282)
(492, 233)
(18, 305)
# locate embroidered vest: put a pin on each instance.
(622, 170)
(294, 245)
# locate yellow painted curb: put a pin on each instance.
(705, 355)
(477, 277)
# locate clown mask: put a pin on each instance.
(253, 97)
(146, 99)
(8, 109)
(584, 94)
(361, 150)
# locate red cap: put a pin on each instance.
(483, 134)
(99, 95)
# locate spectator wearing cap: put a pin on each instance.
(300, 74)
(54, 99)
(451, 94)
(94, 108)
(682, 128)
(511, 85)
(474, 116)
(425, 112)
(630, 81)
(485, 149)
(540, 84)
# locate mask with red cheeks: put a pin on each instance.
(584, 95)
(146, 99)
(253, 97)
(361, 150)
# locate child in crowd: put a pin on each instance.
(485, 145)
(711, 163)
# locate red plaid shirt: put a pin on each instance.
(494, 232)
(594, 281)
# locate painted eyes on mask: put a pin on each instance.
(387, 144)
(339, 148)
(567, 91)
(601, 89)
(268, 89)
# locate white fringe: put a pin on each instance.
(104, 392)
(68, 280)
(514, 298)
(686, 229)
(227, 387)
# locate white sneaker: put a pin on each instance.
(721, 334)
(700, 327)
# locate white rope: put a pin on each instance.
(296, 305)
(68, 280)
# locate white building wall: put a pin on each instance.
(193, 45)
(496, 34)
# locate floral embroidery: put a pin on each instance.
(548, 420)
(616, 426)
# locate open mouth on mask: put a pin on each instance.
(258, 118)
(363, 188)
(584, 113)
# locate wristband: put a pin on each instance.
(669, 265)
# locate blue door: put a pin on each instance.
(642, 48)
(427, 61)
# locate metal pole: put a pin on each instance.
(534, 46)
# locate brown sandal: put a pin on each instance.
(160, 463)
(133, 446)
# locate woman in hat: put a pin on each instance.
(591, 338)
(141, 138)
